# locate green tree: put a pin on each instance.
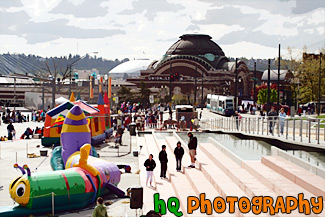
(144, 93)
(262, 96)
(306, 74)
(124, 94)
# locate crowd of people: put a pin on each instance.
(14, 116)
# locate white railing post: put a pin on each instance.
(258, 125)
(309, 126)
(267, 126)
(262, 125)
(300, 130)
(318, 130)
(249, 125)
(294, 129)
(287, 126)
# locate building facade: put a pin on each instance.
(202, 67)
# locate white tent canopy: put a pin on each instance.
(60, 100)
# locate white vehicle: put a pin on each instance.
(209, 101)
(223, 105)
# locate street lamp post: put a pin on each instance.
(202, 98)
(236, 83)
(319, 82)
(278, 99)
(195, 88)
(268, 86)
(254, 83)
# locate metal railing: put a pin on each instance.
(307, 130)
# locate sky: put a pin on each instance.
(147, 28)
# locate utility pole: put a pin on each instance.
(70, 80)
(254, 83)
(170, 84)
(319, 82)
(202, 98)
(268, 85)
(279, 64)
(53, 92)
(236, 81)
(15, 94)
(43, 96)
(195, 87)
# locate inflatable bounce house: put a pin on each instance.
(105, 112)
(97, 124)
(84, 179)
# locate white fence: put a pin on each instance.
(310, 130)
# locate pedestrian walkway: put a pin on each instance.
(217, 175)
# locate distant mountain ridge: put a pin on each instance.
(32, 65)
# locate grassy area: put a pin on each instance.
(321, 116)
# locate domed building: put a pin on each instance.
(202, 67)
(129, 69)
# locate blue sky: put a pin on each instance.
(147, 28)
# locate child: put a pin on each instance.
(100, 210)
(150, 165)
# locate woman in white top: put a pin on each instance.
(282, 116)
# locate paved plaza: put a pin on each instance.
(218, 172)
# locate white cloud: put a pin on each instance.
(153, 30)
(321, 30)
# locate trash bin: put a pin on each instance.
(132, 127)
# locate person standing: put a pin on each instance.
(120, 132)
(100, 210)
(237, 117)
(150, 165)
(282, 116)
(10, 129)
(163, 161)
(179, 152)
(192, 145)
(272, 117)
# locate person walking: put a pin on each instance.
(100, 210)
(282, 117)
(163, 161)
(272, 117)
(150, 165)
(179, 152)
(192, 145)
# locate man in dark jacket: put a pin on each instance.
(163, 161)
(10, 129)
(192, 145)
(179, 152)
(150, 165)
(120, 132)
(272, 115)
